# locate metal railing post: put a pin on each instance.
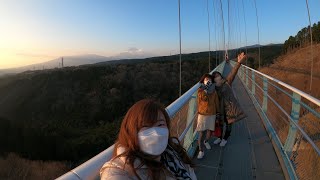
(253, 85)
(247, 79)
(243, 74)
(295, 113)
(265, 94)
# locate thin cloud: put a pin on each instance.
(134, 50)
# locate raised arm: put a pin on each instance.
(234, 71)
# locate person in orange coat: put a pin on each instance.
(208, 107)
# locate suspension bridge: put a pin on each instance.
(279, 138)
(275, 141)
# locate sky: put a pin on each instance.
(34, 31)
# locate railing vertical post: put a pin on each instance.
(265, 93)
(239, 72)
(295, 113)
(243, 74)
(188, 139)
(247, 79)
(253, 85)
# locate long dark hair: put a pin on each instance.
(217, 73)
(141, 114)
(206, 76)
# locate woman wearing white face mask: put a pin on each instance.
(229, 108)
(208, 107)
(144, 148)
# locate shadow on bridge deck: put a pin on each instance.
(249, 153)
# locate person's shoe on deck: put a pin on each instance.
(223, 143)
(217, 141)
(206, 143)
(200, 155)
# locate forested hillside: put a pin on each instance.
(71, 114)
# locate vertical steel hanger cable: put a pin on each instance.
(239, 25)
(255, 5)
(229, 33)
(180, 47)
(209, 32)
(310, 29)
(224, 33)
(245, 29)
(215, 32)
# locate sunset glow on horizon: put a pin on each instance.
(35, 31)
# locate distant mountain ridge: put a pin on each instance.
(258, 45)
(97, 59)
(56, 63)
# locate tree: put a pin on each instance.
(302, 38)
(316, 32)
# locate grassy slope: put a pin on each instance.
(294, 69)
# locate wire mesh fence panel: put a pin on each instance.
(179, 121)
(281, 94)
(259, 95)
(305, 159)
(295, 120)
(310, 123)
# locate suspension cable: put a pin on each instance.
(215, 33)
(180, 64)
(255, 5)
(180, 47)
(209, 32)
(310, 29)
(239, 25)
(228, 27)
(245, 29)
(224, 33)
(233, 28)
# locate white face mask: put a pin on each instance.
(154, 140)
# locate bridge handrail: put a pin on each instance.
(290, 95)
(90, 169)
(303, 94)
(305, 135)
(290, 134)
